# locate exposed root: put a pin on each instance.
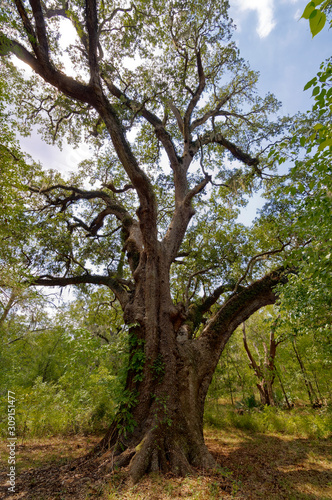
(155, 453)
(157, 450)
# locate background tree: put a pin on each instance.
(264, 368)
(236, 383)
(162, 93)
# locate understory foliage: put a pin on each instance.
(67, 374)
(235, 380)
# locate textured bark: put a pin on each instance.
(171, 383)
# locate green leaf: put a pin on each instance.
(310, 83)
(308, 10)
(317, 22)
(302, 141)
(325, 144)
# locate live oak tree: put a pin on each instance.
(180, 133)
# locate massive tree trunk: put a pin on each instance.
(159, 426)
(168, 419)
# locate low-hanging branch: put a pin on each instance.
(119, 286)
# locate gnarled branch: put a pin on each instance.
(119, 286)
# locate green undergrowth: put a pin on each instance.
(48, 409)
(302, 422)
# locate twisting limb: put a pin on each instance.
(111, 17)
(113, 206)
(119, 286)
(255, 259)
(194, 100)
(59, 80)
(238, 308)
(112, 188)
(217, 138)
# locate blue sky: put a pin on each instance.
(277, 43)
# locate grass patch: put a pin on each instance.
(305, 422)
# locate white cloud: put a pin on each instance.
(264, 9)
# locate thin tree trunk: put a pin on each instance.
(283, 389)
(317, 386)
(311, 393)
(7, 308)
(264, 385)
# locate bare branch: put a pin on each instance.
(43, 49)
(255, 259)
(194, 100)
(118, 285)
(213, 137)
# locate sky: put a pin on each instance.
(271, 36)
(277, 43)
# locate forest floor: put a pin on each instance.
(251, 465)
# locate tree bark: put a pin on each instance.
(159, 425)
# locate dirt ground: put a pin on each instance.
(250, 466)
